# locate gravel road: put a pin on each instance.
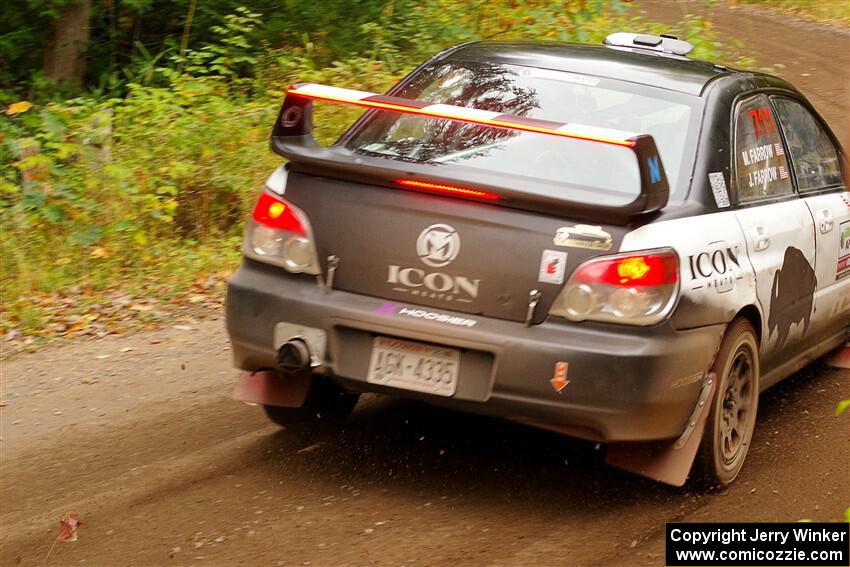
(139, 436)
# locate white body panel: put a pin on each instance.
(772, 257)
(715, 275)
(831, 214)
(781, 248)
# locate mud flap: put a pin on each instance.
(840, 358)
(270, 388)
(667, 461)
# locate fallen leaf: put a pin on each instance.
(18, 107)
(182, 327)
(69, 522)
(68, 532)
(99, 252)
(11, 334)
(126, 349)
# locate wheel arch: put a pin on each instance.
(752, 314)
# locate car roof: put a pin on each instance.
(667, 71)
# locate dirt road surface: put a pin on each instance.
(165, 469)
(813, 57)
(138, 435)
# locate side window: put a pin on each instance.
(813, 154)
(760, 163)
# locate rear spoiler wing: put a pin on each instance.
(292, 138)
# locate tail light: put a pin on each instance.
(637, 288)
(276, 213)
(279, 233)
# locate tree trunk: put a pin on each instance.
(65, 51)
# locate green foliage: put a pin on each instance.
(162, 158)
(107, 181)
(232, 56)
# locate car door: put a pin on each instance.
(778, 229)
(816, 166)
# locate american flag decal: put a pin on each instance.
(782, 173)
(779, 150)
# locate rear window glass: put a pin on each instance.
(584, 171)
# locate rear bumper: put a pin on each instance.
(625, 384)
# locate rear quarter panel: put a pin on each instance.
(715, 276)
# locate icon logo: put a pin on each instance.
(438, 245)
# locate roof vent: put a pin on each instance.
(661, 43)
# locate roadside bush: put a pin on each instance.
(100, 193)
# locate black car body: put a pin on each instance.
(586, 285)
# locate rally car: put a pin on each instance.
(615, 242)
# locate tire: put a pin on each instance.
(732, 414)
(326, 407)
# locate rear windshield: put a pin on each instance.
(588, 171)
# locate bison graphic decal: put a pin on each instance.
(792, 295)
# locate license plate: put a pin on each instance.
(414, 366)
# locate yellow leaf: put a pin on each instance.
(18, 107)
(98, 252)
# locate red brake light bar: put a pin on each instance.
(447, 189)
(463, 114)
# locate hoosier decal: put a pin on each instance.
(416, 313)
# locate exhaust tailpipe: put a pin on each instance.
(293, 356)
